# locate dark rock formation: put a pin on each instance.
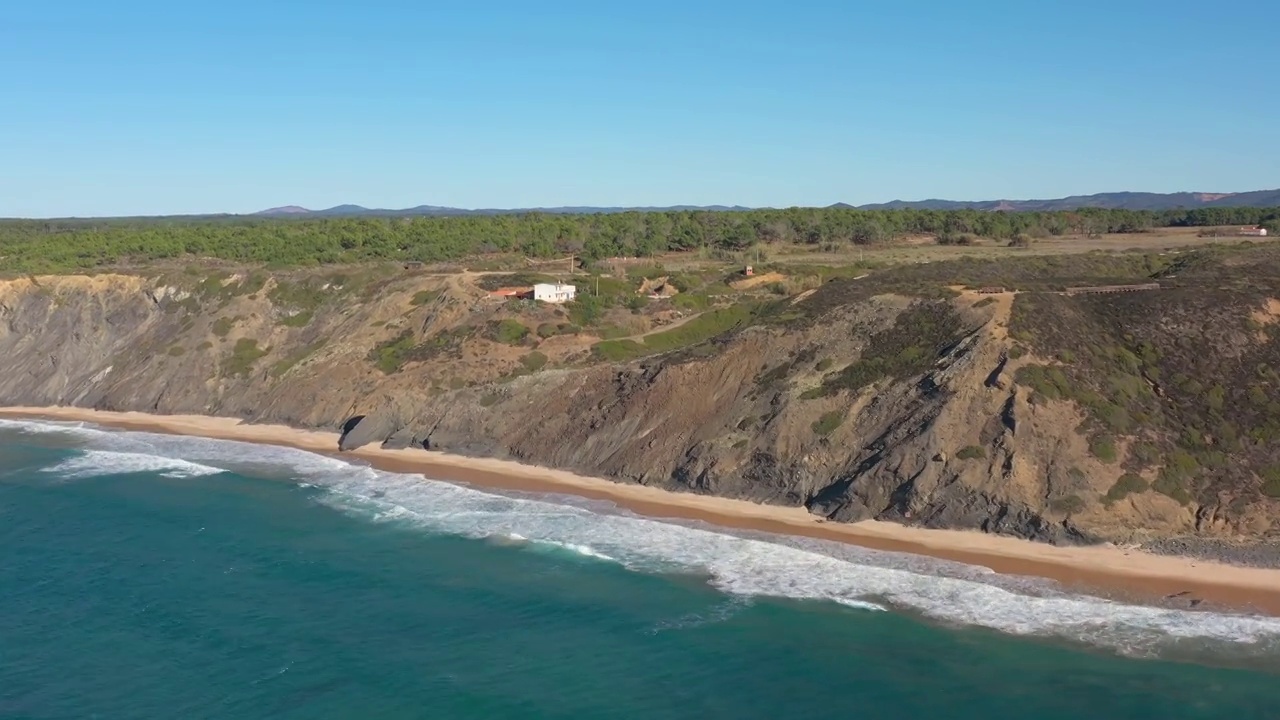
(362, 430)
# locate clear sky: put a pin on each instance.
(143, 107)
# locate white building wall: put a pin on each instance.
(554, 292)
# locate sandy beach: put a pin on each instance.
(1108, 571)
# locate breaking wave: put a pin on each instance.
(99, 463)
(742, 565)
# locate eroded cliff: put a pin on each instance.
(1017, 411)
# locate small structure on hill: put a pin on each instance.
(554, 292)
(1253, 232)
(1107, 289)
(748, 271)
(413, 265)
(512, 293)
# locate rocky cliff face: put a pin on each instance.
(853, 402)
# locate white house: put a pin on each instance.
(554, 292)
(1253, 231)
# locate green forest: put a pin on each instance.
(60, 245)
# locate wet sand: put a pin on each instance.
(1107, 571)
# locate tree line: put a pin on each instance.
(55, 245)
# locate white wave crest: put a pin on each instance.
(101, 463)
(741, 565)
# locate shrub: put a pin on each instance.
(222, 326)
(1103, 447)
(1170, 484)
(1128, 484)
(298, 319)
(534, 361)
(971, 452)
(510, 332)
(548, 330)
(828, 423)
(422, 297)
(918, 336)
(176, 351)
(390, 355)
(489, 399)
(245, 353)
(285, 365)
(1271, 482)
(1069, 505)
(824, 364)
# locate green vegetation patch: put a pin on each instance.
(422, 297)
(222, 326)
(245, 353)
(919, 336)
(287, 364)
(71, 244)
(1271, 482)
(508, 332)
(703, 328)
(1128, 484)
(1068, 505)
(520, 279)
(1103, 447)
(534, 361)
(392, 354)
(828, 423)
(299, 301)
(971, 452)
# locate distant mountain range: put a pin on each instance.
(1114, 201)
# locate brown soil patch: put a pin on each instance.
(757, 281)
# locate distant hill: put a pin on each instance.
(427, 210)
(1111, 201)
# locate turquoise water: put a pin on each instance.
(144, 576)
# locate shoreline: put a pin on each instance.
(1123, 574)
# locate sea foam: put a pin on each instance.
(99, 463)
(742, 565)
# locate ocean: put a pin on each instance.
(153, 576)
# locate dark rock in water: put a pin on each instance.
(401, 439)
(364, 429)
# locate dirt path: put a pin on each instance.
(664, 328)
(1002, 312)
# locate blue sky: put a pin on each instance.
(141, 107)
